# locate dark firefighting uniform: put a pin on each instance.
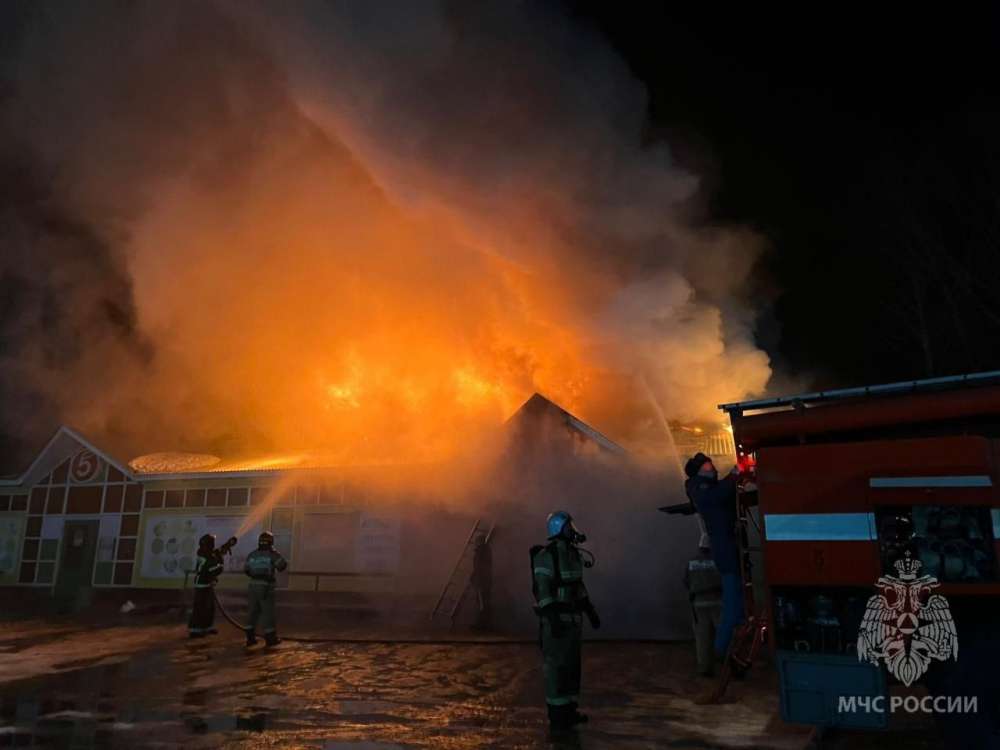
(482, 582)
(561, 600)
(704, 585)
(261, 565)
(207, 569)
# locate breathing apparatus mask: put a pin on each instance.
(560, 526)
(576, 538)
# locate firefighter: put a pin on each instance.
(207, 569)
(261, 566)
(715, 500)
(482, 582)
(561, 600)
(704, 586)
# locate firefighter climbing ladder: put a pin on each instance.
(460, 581)
(751, 636)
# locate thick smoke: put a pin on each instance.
(368, 231)
(347, 226)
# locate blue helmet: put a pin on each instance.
(557, 521)
(561, 523)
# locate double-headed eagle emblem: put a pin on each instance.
(906, 625)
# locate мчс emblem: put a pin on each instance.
(906, 625)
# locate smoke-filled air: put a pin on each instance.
(368, 230)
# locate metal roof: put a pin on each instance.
(905, 386)
(179, 465)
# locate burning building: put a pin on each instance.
(80, 520)
(710, 438)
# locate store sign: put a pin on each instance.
(85, 467)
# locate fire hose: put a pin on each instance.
(377, 641)
(226, 549)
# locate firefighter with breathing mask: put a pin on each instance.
(261, 566)
(561, 600)
(208, 566)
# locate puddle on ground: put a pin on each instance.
(212, 694)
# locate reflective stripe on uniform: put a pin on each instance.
(256, 582)
(701, 565)
(560, 701)
(546, 601)
(543, 571)
(203, 585)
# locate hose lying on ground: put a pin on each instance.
(381, 641)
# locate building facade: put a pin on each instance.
(80, 519)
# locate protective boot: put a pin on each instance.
(271, 639)
(560, 717)
(251, 638)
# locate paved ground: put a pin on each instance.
(146, 686)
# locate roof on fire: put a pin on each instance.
(540, 407)
(180, 465)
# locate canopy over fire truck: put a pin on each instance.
(849, 482)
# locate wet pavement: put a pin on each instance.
(147, 686)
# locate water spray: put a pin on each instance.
(663, 421)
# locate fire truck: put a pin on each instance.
(843, 485)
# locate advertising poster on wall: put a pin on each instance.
(327, 542)
(170, 543)
(378, 545)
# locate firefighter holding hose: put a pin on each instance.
(715, 500)
(261, 566)
(561, 600)
(207, 569)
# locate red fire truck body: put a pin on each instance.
(846, 481)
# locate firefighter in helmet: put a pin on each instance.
(704, 586)
(561, 600)
(261, 566)
(482, 582)
(715, 500)
(207, 569)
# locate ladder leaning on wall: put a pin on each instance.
(460, 581)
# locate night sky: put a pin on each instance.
(865, 145)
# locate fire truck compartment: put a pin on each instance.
(818, 689)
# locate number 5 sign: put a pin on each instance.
(84, 467)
